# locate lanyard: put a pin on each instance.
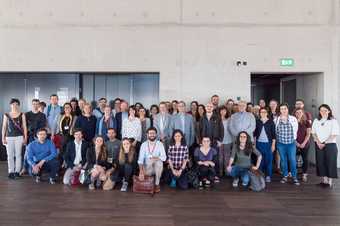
(153, 148)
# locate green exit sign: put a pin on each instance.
(287, 62)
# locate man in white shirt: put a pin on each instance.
(151, 158)
(75, 156)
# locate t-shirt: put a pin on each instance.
(35, 121)
(113, 148)
(240, 157)
(325, 128)
(302, 131)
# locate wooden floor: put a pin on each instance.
(23, 202)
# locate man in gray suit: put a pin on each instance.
(184, 122)
(162, 122)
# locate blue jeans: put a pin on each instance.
(288, 156)
(238, 171)
(267, 157)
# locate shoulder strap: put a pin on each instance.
(48, 110)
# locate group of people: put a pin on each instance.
(167, 141)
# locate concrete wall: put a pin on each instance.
(193, 44)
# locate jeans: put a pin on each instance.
(267, 157)
(237, 172)
(123, 172)
(288, 156)
(304, 154)
(51, 167)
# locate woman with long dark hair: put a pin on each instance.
(325, 129)
(178, 157)
(241, 158)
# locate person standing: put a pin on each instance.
(87, 123)
(121, 116)
(286, 133)
(14, 136)
(35, 120)
(162, 123)
(105, 122)
(325, 130)
(99, 111)
(52, 111)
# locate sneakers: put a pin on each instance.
(268, 179)
(51, 181)
(11, 176)
(235, 182)
(289, 174)
(91, 186)
(201, 185)
(216, 179)
(207, 183)
(296, 181)
(173, 183)
(284, 180)
(304, 177)
(124, 186)
(37, 179)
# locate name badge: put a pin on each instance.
(109, 160)
(66, 127)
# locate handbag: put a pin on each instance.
(146, 186)
(84, 177)
(108, 184)
(75, 178)
(257, 182)
(192, 176)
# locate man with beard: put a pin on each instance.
(151, 158)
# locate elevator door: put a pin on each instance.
(134, 88)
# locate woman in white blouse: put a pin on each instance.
(325, 129)
(132, 127)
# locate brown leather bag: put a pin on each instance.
(146, 186)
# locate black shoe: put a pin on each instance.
(11, 176)
(17, 175)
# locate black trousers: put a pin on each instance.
(304, 154)
(326, 161)
(124, 171)
(206, 172)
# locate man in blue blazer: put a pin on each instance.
(75, 155)
(120, 116)
(184, 122)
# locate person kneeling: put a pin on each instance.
(242, 151)
(123, 166)
(151, 158)
(178, 156)
(41, 155)
(96, 157)
(206, 159)
(75, 156)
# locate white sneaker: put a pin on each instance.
(235, 182)
(124, 186)
(304, 177)
(268, 179)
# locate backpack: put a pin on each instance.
(49, 107)
(3, 153)
(193, 179)
(257, 182)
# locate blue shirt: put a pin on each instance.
(37, 151)
(147, 152)
(52, 112)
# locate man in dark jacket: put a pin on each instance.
(75, 156)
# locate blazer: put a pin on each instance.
(70, 153)
(167, 125)
(269, 128)
(91, 159)
(216, 133)
(189, 128)
(119, 124)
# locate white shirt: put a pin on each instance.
(132, 129)
(323, 129)
(77, 159)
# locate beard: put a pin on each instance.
(152, 138)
